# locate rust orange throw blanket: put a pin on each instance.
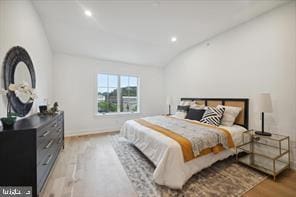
(185, 144)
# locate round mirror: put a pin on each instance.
(19, 70)
(22, 76)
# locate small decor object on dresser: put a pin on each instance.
(42, 109)
(25, 93)
(51, 111)
(55, 108)
(9, 120)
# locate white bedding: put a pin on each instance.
(167, 156)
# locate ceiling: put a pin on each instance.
(139, 32)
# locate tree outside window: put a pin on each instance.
(117, 93)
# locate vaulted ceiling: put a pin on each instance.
(140, 31)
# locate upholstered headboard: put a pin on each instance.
(243, 117)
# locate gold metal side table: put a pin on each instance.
(269, 154)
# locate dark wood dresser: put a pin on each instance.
(29, 151)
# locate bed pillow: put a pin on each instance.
(197, 106)
(182, 111)
(185, 103)
(195, 114)
(183, 108)
(213, 116)
(180, 114)
(229, 115)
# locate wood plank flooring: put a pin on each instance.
(285, 185)
(89, 167)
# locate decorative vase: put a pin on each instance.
(8, 122)
(43, 109)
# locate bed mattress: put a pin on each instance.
(167, 156)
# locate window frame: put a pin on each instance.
(118, 94)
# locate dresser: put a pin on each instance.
(29, 151)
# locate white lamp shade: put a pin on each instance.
(168, 100)
(263, 103)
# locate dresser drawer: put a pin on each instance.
(44, 149)
(58, 131)
(45, 164)
(43, 141)
(46, 131)
(47, 140)
(50, 130)
(60, 119)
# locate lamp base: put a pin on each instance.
(263, 133)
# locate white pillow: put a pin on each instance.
(185, 102)
(192, 104)
(197, 106)
(180, 114)
(229, 115)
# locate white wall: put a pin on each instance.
(75, 90)
(20, 25)
(258, 56)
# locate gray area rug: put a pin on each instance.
(224, 178)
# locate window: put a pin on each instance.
(117, 93)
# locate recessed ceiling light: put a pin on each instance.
(88, 13)
(173, 39)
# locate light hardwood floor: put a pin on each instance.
(89, 167)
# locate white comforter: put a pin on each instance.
(167, 156)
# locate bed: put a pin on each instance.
(172, 168)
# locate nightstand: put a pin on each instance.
(269, 154)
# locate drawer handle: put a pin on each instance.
(48, 160)
(49, 144)
(45, 133)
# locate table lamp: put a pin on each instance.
(263, 105)
(168, 102)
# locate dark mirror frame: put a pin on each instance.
(14, 56)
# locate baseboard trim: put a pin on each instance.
(91, 133)
(293, 165)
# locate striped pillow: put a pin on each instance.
(213, 116)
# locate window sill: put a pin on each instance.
(117, 114)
